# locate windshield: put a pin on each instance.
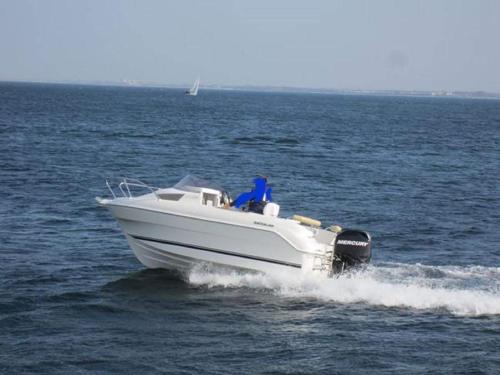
(194, 183)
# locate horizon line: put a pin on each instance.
(270, 88)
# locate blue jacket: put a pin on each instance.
(258, 194)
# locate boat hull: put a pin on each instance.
(154, 254)
(173, 241)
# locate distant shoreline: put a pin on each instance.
(282, 89)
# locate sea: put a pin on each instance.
(421, 175)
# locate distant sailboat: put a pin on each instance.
(193, 91)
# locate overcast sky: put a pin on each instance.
(383, 44)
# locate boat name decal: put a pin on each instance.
(262, 223)
(353, 243)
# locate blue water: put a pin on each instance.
(422, 175)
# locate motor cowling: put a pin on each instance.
(352, 248)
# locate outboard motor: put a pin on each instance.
(352, 248)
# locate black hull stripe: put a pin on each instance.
(202, 248)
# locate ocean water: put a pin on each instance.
(422, 175)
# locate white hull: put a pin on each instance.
(165, 240)
(182, 258)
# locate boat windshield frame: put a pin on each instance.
(195, 184)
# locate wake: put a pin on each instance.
(463, 291)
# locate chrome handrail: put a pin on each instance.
(127, 183)
(110, 189)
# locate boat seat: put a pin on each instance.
(271, 209)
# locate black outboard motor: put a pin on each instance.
(352, 249)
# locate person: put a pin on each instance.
(256, 198)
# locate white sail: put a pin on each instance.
(193, 91)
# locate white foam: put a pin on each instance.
(469, 291)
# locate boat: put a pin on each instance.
(193, 91)
(189, 224)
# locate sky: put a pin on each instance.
(353, 44)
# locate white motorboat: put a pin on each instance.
(188, 224)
